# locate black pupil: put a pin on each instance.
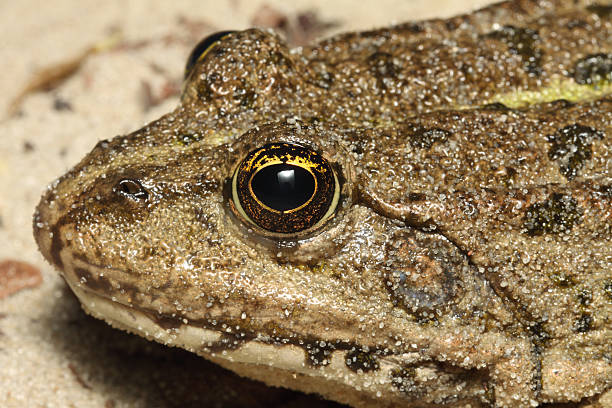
(283, 187)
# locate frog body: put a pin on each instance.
(461, 253)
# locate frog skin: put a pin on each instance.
(465, 254)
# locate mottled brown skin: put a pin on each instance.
(469, 261)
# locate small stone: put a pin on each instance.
(17, 275)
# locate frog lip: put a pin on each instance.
(211, 344)
(88, 281)
(132, 318)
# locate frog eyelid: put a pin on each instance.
(202, 49)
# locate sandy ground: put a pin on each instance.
(51, 353)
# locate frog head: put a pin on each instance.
(307, 242)
(232, 229)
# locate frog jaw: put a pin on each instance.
(275, 364)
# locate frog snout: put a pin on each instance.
(43, 220)
(48, 221)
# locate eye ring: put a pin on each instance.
(285, 189)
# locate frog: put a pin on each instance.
(418, 215)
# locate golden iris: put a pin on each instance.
(285, 188)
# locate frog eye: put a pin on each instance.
(132, 189)
(285, 188)
(203, 47)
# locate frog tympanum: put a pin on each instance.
(419, 215)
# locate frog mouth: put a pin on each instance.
(256, 355)
(98, 298)
(112, 302)
(131, 318)
(279, 363)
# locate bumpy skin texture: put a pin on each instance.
(470, 258)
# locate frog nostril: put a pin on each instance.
(132, 189)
